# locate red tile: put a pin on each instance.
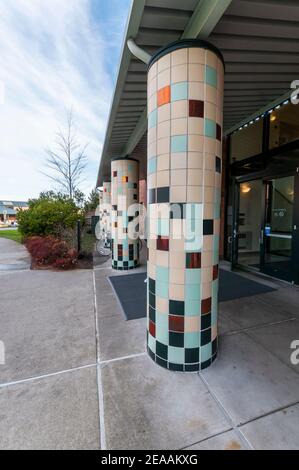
(193, 260)
(218, 132)
(206, 305)
(196, 108)
(162, 243)
(215, 272)
(176, 323)
(152, 329)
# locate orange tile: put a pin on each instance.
(164, 95)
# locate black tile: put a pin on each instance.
(152, 299)
(176, 339)
(152, 285)
(208, 227)
(214, 346)
(176, 307)
(178, 210)
(205, 364)
(152, 196)
(191, 355)
(192, 367)
(161, 362)
(161, 350)
(206, 321)
(163, 194)
(176, 367)
(218, 165)
(152, 314)
(205, 337)
(151, 354)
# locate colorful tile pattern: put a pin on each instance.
(185, 95)
(105, 210)
(124, 213)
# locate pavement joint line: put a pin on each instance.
(227, 414)
(206, 438)
(256, 327)
(45, 376)
(103, 444)
(123, 358)
(264, 415)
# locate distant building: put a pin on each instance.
(9, 210)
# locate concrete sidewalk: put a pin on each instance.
(76, 374)
(48, 385)
(13, 256)
(248, 399)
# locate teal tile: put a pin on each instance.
(152, 165)
(192, 308)
(214, 315)
(162, 274)
(217, 211)
(162, 334)
(152, 343)
(195, 244)
(205, 352)
(211, 76)
(152, 119)
(216, 241)
(178, 143)
(193, 228)
(192, 340)
(176, 355)
(194, 211)
(162, 289)
(179, 91)
(192, 276)
(192, 291)
(210, 128)
(163, 227)
(215, 286)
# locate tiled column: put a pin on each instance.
(124, 200)
(185, 102)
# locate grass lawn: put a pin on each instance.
(11, 234)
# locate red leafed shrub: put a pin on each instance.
(50, 251)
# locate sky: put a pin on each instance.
(54, 55)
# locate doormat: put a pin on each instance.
(130, 290)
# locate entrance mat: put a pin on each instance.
(130, 290)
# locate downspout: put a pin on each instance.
(138, 52)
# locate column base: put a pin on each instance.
(118, 267)
(181, 367)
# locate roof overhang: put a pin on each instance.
(259, 42)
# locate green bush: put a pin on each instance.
(49, 216)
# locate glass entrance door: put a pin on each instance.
(277, 233)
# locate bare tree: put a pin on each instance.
(68, 161)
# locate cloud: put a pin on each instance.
(54, 55)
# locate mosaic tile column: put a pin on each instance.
(185, 104)
(105, 210)
(124, 200)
